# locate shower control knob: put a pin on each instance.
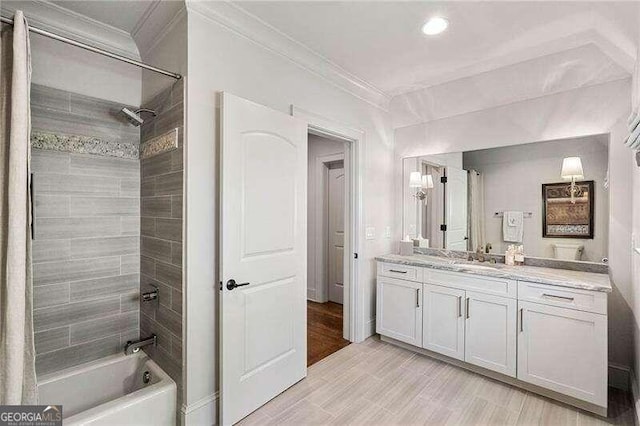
(231, 284)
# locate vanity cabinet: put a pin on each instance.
(399, 310)
(470, 326)
(443, 320)
(490, 330)
(552, 337)
(564, 350)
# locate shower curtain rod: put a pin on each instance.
(96, 50)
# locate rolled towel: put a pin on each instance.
(634, 122)
(632, 139)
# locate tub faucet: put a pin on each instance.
(134, 346)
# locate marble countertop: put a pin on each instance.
(559, 277)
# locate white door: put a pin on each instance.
(443, 320)
(399, 310)
(456, 209)
(263, 248)
(564, 350)
(336, 233)
(490, 332)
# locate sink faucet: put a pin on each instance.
(487, 249)
(479, 254)
(132, 347)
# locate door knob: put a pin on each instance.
(231, 284)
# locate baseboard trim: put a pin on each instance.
(619, 376)
(369, 328)
(311, 294)
(201, 412)
(635, 394)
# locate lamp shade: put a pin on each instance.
(572, 168)
(427, 181)
(415, 180)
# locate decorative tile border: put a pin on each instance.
(84, 145)
(160, 144)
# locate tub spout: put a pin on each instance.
(134, 346)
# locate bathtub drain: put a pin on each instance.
(146, 377)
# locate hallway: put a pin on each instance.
(324, 330)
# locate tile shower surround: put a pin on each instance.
(85, 257)
(86, 250)
(105, 229)
(161, 179)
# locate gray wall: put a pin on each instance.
(161, 234)
(513, 178)
(86, 249)
(85, 257)
(60, 112)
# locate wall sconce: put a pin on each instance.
(572, 170)
(423, 182)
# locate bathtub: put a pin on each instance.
(111, 391)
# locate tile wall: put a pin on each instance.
(86, 247)
(161, 178)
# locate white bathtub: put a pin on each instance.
(111, 391)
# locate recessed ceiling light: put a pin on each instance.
(435, 25)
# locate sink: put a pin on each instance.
(480, 266)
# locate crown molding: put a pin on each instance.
(157, 21)
(233, 17)
(58, 20)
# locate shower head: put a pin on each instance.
(134, 116)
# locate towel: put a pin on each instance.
(632, 139)
(512, 227)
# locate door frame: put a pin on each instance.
(354, 148)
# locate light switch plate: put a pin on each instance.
(370, 232)
(387, 232)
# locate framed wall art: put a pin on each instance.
(564, 216)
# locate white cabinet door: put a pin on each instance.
(564, 350)
(443, 320)
(399, 310)
(490, 332)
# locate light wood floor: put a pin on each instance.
(324, 330)
(377, 383)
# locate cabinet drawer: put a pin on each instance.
(488, 285)
(403, 272)
(581, 300)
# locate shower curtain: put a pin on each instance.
(476, 210)
(17, 353)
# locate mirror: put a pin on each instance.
(554, 194)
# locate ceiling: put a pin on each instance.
(123, 15)
(381, 42)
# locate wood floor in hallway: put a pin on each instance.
(324, 330)
(375, 383)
